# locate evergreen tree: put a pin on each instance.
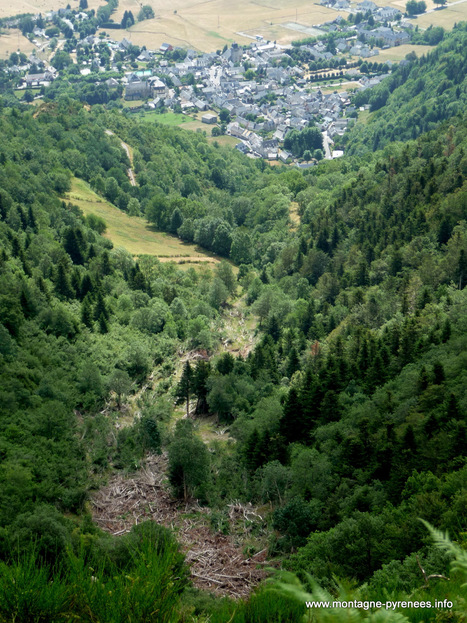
(86, 286)
(100, 308)
(200, 388)
(62, 282)
(185, 387)
(86, 312)
(103, 324)
(292, 424)
(273, 327)
(251, 451)
(72, 247)
(461, 271)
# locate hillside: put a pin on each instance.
(308, 409)
(416, 97)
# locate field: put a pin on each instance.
(169, 118)
(401, 51)
(13, 40)
(447, 17)
(17, 7)
(133, 233)
(208, 26)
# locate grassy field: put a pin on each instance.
(169, 118)
(134, 234)
(13, 40)
(401, 51)
(446, 17)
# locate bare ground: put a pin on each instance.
(217, 561)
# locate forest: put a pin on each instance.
(343, 423)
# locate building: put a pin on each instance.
(137, 90)
(209, 118)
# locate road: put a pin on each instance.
(326, 145)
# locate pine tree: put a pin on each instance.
(32, 220)
(185, 386)
(292, 424)
(86, 286)
(72, 247)
(446, 332)
(251, 451)
(461, 271)
(273, 327)
(438, 373)
(293, 362)
(103, 324)
(86, 312)
(200, 377)
(62, 282)
(100, 308)
(76, 283)
(27, 302)
(106, 267)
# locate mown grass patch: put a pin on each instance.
(134, 233)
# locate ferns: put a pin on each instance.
(358, 605)
(459, 564)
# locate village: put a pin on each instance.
(258, 93)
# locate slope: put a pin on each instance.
(416, 97)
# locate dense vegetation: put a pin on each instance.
(417, 96)
(348, 416)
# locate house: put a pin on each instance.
(242, 147)
(124, 44)
(145, 56)
(157, 102)
(157, 86)
(284, 155)
(209, 119)
(387, 13)
(389, 36)
(166, 47)
(35, 80)
(200, 105)
(366, 6)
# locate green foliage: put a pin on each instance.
(298, 142)
(188, 462)
(422, 93)
(413, 7)
(146, 12)
(145, 575)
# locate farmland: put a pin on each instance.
(208, 26)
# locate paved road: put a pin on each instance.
(326, 144)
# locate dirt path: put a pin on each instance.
(216, 560)
(129, 153)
